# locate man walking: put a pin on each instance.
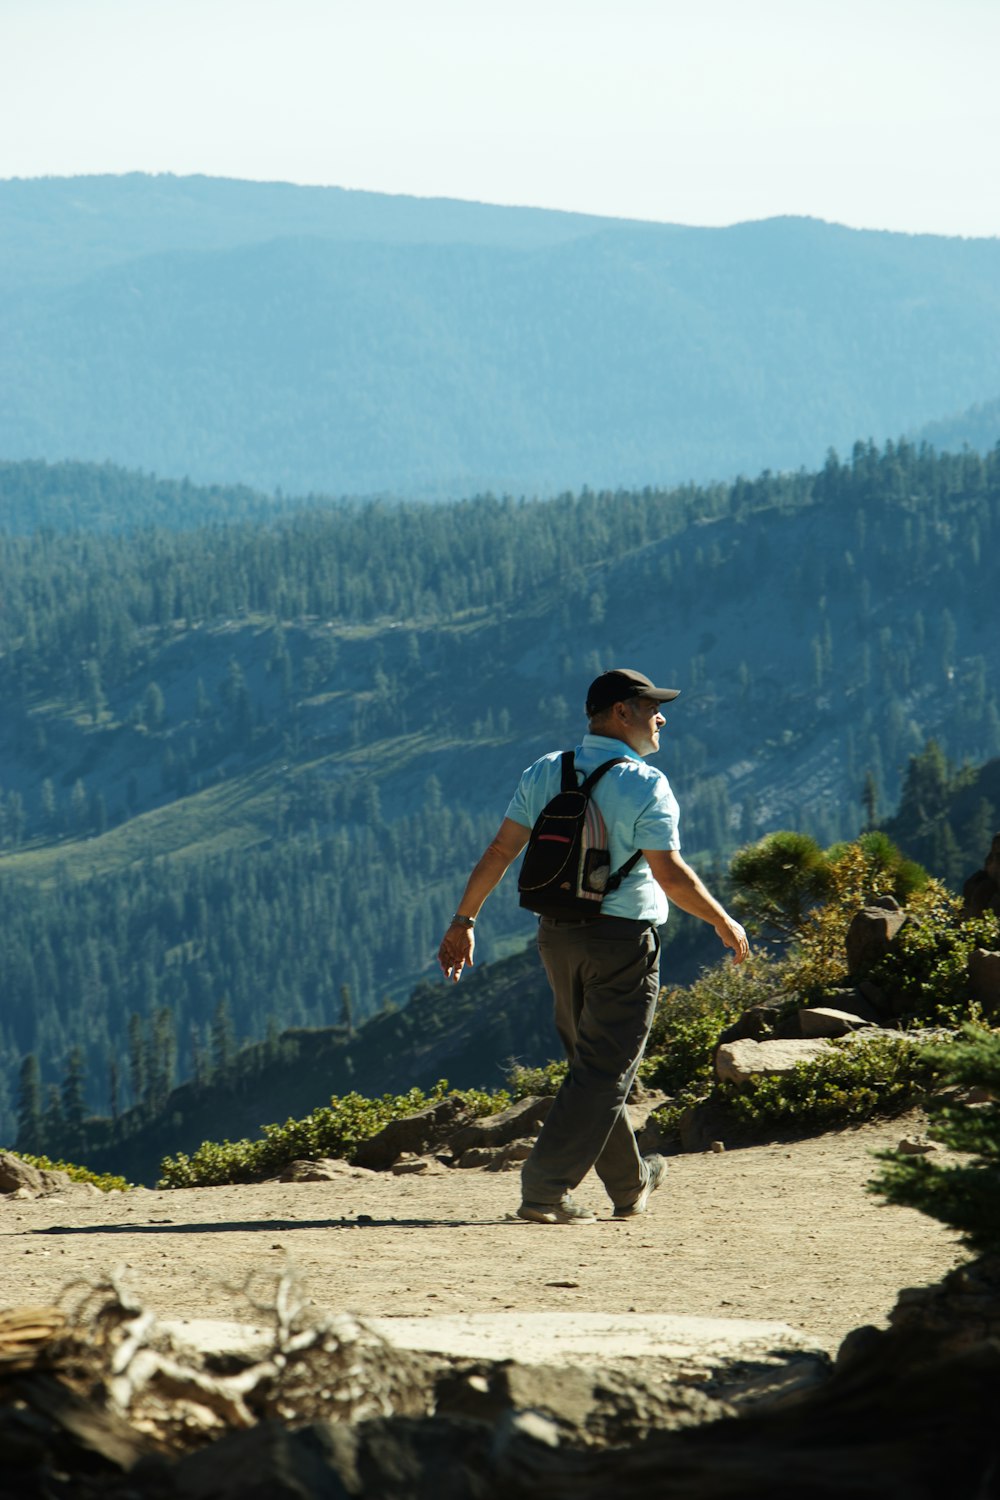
(604, 971)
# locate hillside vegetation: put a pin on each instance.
(337, 342)
(245, 767)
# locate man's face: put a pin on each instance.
(643, 724)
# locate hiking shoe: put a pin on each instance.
(656, 1168)
(566, 1211)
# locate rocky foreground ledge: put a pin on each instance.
(105, 1400)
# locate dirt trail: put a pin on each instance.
(783, 1232)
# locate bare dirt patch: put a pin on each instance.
(781, 1231)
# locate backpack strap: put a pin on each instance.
(568, 772)
(615, 880)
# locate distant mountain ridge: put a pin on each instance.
(323, 341)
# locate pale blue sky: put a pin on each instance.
(875, 113)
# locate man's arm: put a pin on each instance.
(459, 943)
(685, 889)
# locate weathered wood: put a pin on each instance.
(26, 1335)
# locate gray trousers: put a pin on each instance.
(605, 978)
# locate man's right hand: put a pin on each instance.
(733, 935)
(457, 948)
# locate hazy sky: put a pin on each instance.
(875, 113)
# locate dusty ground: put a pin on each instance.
(783, 1232)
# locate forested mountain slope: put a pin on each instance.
(246, 766)
(343, 343)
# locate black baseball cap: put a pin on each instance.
(620, 684)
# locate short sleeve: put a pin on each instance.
(529, 799)
(656, 827)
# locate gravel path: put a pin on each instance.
(777, 1232)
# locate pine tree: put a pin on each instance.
(73, 1095)
(346, 1009)
(965, 1196)
(29, 1105)
(223, 1039)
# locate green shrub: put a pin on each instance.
(103, 1180)
(529, 1083)
(857, 1079)
(336, 1129)
(964, 1195)
(927, 966)
(688, 1022)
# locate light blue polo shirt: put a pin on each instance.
(637, 805)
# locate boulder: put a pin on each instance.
(496, 1158)
(981, 892)
(323, 1169)
(757, 1022)
(415, 1166)
(16, 1174)
(871, 934)
(736, 1062)
(866, 1002)
(416, 1134)
(824, 1020)
(26, 1181)
(984, 979)
(520, 1119)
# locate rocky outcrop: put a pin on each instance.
(871, 933)
(738, 1062)
(19, 1179)
(984, 980)
(981, 892)
(413, 1134)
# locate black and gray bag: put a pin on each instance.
(566, 871)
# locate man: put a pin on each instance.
(604, 972)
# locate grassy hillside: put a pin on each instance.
(341, 343)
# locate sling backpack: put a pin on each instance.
(566, 871)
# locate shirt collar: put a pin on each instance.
(612, 746)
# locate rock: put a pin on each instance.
(511, 1155)
(984, 979)
(54, 1181)
(915, 1145)
(866, 1002)
(718, 1147)
(871, 933)
(477, 1156)
(955, 1313)
(413, 1166)
(823, 1020)
(702, 1123)
(16, 1175)
(323, 1169)
(415, 1133)
(738, 1061)
(513, 1123)
(640, 1111)
(873, 996)
(981, 892)
(757, 1022)
(269, 1462)
(651, 1136)
(586, 1406)
(496, 1158)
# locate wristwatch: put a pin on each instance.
(459, 921)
